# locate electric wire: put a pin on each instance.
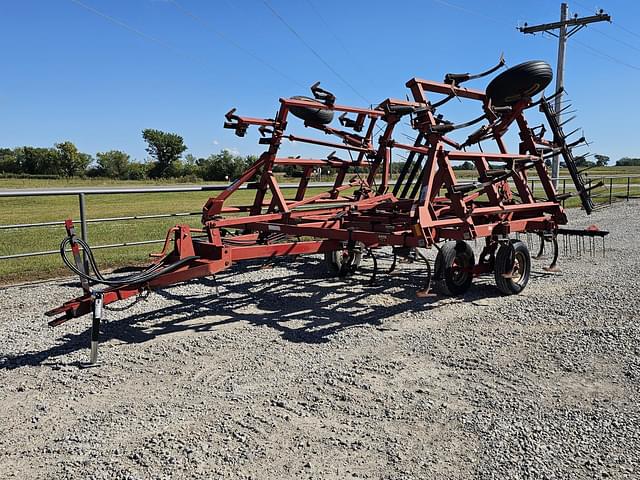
(132, 29)
(207, 25)
(615, 24)
(466, 10)
(178, 51)
(622, 42)
(631, 32)
(313, 50)
(578, 43)
(342, 44)
(604, 54)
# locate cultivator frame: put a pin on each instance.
(427, 205)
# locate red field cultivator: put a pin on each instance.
(427, 206)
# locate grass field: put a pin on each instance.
(46, 209)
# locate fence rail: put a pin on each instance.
(82, 193)
(622, 190)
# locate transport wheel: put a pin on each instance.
(522, 81)
(342, 262)
(320, 115)
(512, 267)
(453, 265)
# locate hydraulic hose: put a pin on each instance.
(146, 275)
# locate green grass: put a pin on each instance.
(57, 208)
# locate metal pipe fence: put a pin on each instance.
(82, 193)
(618, 190)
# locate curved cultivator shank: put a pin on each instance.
(428, 204)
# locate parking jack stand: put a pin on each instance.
(95, 328)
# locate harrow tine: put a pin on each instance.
(426, 291)
(568, 120)
(563, 109)
(567, 135)
(553, 267)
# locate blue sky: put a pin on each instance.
(71, 74)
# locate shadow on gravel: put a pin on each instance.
(303, 305)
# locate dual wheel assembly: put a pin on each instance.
(455, 264)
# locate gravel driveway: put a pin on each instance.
(288, 374)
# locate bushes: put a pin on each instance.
(27, 175)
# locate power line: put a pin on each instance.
(585, 47)
(466, 10)
(333, 34)
(231, 42)
(606, 55)
(615, 24)
(622, 42)
(594, 52)
(631, 32)
(312, 50)
(126, 26)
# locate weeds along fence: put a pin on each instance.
(615, 188)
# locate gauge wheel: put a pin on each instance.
(512, 267)
(454, 264)
(342, 262)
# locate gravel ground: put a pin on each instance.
(288, 374)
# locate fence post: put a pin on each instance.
(628, 187)
(83, 225)
(610, 190)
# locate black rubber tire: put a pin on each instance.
(505, 265)
(522, 81)
(321, 115)
(455, 281)
(335, 262)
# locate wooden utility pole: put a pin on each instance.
(577, 23)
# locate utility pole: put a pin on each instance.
(577, 23)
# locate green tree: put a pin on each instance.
(138, 171)
(165, 149)
(8, 161)
(601, 160)
(113, 164)
(465, 166)
(628, 162)
(581, 161)
(71, 162)
(396, 167)
(36, 160)
(224, 166)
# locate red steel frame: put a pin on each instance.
(364, 208)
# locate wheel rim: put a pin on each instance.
(458, 273)
(519, 264)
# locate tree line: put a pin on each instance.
(166, 160)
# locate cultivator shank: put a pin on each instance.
(428, 205)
